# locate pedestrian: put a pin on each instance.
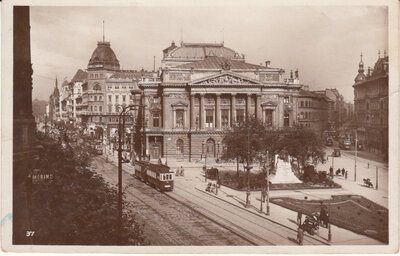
(159, 161)
(177, 172)
(300, 235)
(345, 175)
(343, 171)
(331, 172)
(182, 171)
(338, 171)
(299, 217)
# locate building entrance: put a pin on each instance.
(210, 148)
(155, 147)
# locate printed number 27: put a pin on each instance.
(30, 233)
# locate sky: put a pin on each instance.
(323, 42)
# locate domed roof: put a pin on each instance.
(200, 51)
(360, 77)
(103, 57)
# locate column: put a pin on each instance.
(202, 119)
(147, 145)
(185, 118)
(174, 119)
(218, 111)
(233, 109)
(192, 114)
(258, 107)
(164, 110)
(248, 104)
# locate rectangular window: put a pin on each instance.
(240, 116)
(110, 109)
(123, 98)
(225, 118)
(95, 108)
(100, 119)
(179, 118)
(156, 120)
(101, 108)
(209, 118)
(116, 98)
(268, 117)
(95, 98)
(100, 97)
(91, 108)
(286, 100)
(109, 98)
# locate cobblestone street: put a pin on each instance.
(167, 222)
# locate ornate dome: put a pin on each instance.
(103, 58)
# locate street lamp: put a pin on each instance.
(166, 151)
(248, 168)
(121, 130)
(267, 212)
(355, 158)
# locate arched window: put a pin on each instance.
(179, 147)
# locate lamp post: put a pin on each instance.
(329, 225)
(355, 158)
(248, 168)
(166, 151)
(121, 131)
(267, 212)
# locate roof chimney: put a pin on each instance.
(268, 63)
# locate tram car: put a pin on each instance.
(157, 175)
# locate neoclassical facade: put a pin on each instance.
(194, 103)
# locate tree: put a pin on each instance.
(303, 144)
(78, 207)
(245, 142)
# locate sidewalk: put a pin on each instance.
(278, 214)
(194, 180)
(379, 196)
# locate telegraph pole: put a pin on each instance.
(355, 159)
(267, 212)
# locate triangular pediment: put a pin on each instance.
(225, 79)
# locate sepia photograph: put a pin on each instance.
(200, 127)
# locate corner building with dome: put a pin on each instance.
(203, 90)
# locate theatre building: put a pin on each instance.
(203, 90)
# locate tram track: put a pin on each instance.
(241, 231)
(245, 217)
(181, 224)
(272, 222)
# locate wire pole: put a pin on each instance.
(120, 134)
(355, 159)
(267, 213)
(376, 174)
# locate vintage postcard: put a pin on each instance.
(207, 127)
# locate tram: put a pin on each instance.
(156, 175)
